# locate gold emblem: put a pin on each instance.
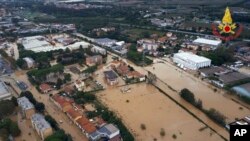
(227, 26)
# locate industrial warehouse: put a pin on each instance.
(191, 61)
(51, 42)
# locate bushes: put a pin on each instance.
(38, 105)
(211, 113)
(59, 135)
(216, 116)
(7, 107)
(82, 97)
(52, 122)
(8, 127)
(189, 97)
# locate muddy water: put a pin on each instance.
(179, 80)
(146, 105)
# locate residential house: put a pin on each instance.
(86, 126)
(45, 88)
(108, 131)
(122, 69)
(111, 77)
(61, 102)
(79, 84)
(41, 126)
(73, 115)
(27, 108)
(135, 75)
(94, 60)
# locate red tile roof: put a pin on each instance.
(86, 125)
(123, 69)
(73, 114)
(62, 101)
(45, 87)
(89, 128)
(82, 121)
(135, 74)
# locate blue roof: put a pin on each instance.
(242, 90)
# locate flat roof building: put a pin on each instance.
(203, 41)
(4, 91)
(27, 108)
(41, 126)
(191, 61)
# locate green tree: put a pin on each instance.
(67, 77)
(52, 122)
(20, 63)
(59, 83)
(14, 101)
(188, 96)
(4, 134)
(7, 107)
(14, 129)
(40, 107)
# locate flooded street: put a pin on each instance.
(146, 105)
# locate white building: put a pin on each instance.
(191, 61)
(150, 46)
(105, 42)
(41, 126)
(4, 91)
(29, 61)
(43, 44)
(79, 85)
(100, 50)
(208, 42)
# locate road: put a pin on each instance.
(50, 108)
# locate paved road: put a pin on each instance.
(50, 108)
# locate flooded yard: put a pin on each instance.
(178, 79)
(148, 113)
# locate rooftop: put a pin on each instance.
(4, 91)
(45, 87)
(191, 57)
(212, 70)
(207, 41)
(232, 77)
(40, 122)
(108, 129)
(110, 74)
(24, 103)
(74, 114)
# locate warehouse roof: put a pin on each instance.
(191, 57)
(207, 41)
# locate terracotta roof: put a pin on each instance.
(68, 89)
(82, 121)
(89, 128)
(123, 69)
(45, 87)
(62, 101)
(135, 74)
(162, 39)
(73, 114)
